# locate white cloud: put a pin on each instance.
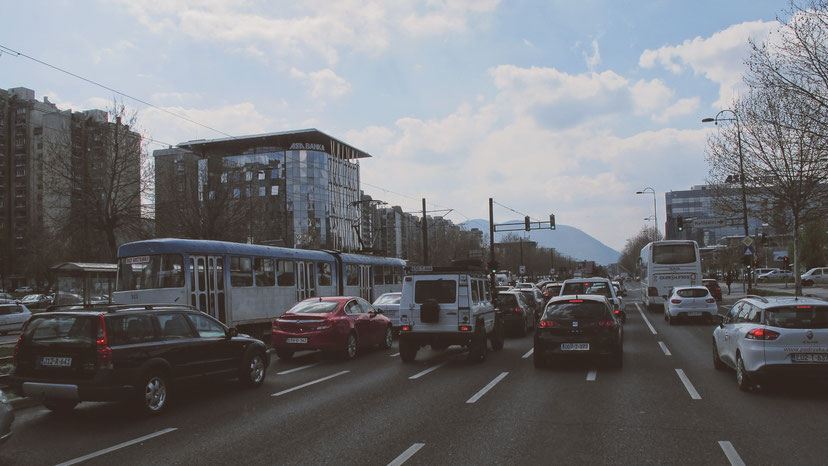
(720, 57)
(323, 83)
(594, 59)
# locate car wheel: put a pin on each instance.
(350, 347)
(284, 354)
(497, 337)
(477, 349)
(152, 396)
(252, 372)
(807, 282)
(670, 319)
(389, 338)
(60, 406)
(408, 350)
(717, 361)
(665, 314)
(742, 379)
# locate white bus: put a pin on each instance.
(665, 264)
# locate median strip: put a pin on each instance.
(118, 447)
(283, 392)
(488, 387)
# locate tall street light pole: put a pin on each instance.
(715, 120)
(655, 214)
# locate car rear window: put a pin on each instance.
(554, 289)
(314, 307)
(801, 316)
(586, 309)
(507, 301)
(693, 293)
(63, 330)
(11, 309)
(443, 291)
(599, 288)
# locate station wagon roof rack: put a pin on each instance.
(756, 296)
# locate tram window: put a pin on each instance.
(286, 276)
(325, 276)
(241, 272)
(265, 275)
(147, 272)
(397, 276)
(352, 275)
(378, 276)
(220, 273)
(389, 275)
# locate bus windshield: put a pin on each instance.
(674, 253)
(148, 272)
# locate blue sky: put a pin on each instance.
(557, 107)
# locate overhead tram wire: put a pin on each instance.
(515, 211)
(16, 53)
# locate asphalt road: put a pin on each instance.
(666, 406)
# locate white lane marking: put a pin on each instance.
(488, 387)
(432, 368)
(395, 354)
(591, 375)
(689, 386)
(309, 383)
(406, 454)
(118, 447)
(646, 320)
(664, 348)
(528, 353)
(731, 454)
(296, 369)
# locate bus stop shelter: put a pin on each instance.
(84, 282)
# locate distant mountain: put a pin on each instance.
(568, 241)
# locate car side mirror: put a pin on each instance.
(232, 332)
(378, 311)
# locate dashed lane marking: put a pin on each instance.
(283, 392)
(646, 320)
(689, 386)
(591, 375)
(664, 348)
(118, 447)
(406, 454)
(488, 387)
(394, 355)
(731, 454)
(528, 353)
(432, 368)
(297, 369)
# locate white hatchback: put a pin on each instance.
(690, 302)
(773, 337)
(12, 317)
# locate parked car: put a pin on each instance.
(24, 289)
(517, 311)
(579, 325)
(713, 286)
(690, 303)
(12, 317)
(6, 418)
(775, 275)
(815, 275)
(131, 353)
(6, 298)
(389, 305)
(774, 337)
(338, 324)
(36, 300)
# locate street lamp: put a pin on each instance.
(735, 118)
(655, 215)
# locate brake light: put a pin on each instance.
(517, 310)
(405, 328)
(675, 301)
(617, 311)
(576, 300)
(104, 352)
(606, 323)
(762, 334)
(803, 307)
(547, 324)
(465, 328)
(710, 300)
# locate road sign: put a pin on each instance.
(747, 241)
(523, 270)
(748, 251)
(709, 222)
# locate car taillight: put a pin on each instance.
(465, 328)
(762, 334)
(710, 300)
(606, 323)
(328, 323)
(517, 310)
(675, 301)
(405, 328)
(104, 352)
(617, 311)
(547, 324)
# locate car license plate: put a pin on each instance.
(694, 314)
(296, 340)
(55, 362)
(574, 346)
(809, 357)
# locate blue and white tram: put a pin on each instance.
(245, 285)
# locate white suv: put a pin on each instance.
(443, 306)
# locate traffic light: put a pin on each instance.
(680, 223)
(787, 263)
(755, 262)
(493, 266)
(551, 221)
(747, 261)
(526, 220)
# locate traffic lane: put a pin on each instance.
(348, 419)
(624, 415)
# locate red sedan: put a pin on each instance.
(338, 324)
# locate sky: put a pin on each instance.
(548, 107)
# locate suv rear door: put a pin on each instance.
(59, 347)
(443, 296)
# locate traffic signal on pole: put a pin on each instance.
(526, 220)
(755, 262)
(551, 221)
(787, 263)
(680, 223)
(746, 260)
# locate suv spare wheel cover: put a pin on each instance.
(430, 311)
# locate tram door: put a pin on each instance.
(366, 283)
(305, 280)
(207, 282)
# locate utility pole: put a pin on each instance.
(425, 235)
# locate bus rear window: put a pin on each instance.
(148, 272)
(674, 253)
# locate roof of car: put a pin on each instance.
(690, 287)
(567, 297)
(590, 279)
(111, 308)
(775, 301)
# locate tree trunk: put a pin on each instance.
(797, 279)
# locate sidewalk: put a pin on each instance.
(737, 293)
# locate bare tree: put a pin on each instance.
(632, 248)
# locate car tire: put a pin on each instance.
(497, 338)
(408, 350)
(284, 354)
(350, 350)
(807, 282)
(717, 361)
(742, 379)
(153, 393)
(253, 370)
(477, 348)
(60, 406)
(670, 319)
(388, 340)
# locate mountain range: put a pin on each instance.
(567, 241)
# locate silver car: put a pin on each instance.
(6, 418)
(389, 304)
(12, 317)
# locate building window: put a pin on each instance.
(224, 177)
(274, 190)
(248, 176)
(261, 175)
(21, 172)
(211, 195)
(236, 193)
(262, 191)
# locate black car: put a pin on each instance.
(132, 353)
(516, 311)
(579, 325)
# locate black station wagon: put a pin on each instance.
(133, 353)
